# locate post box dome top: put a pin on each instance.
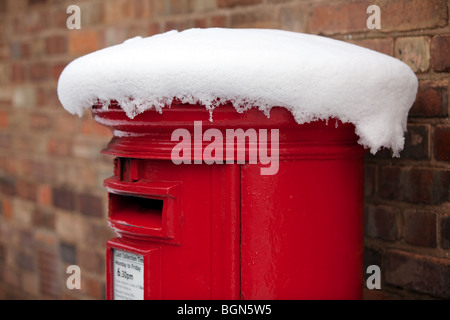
(312, 76)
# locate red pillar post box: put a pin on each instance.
(225, 231)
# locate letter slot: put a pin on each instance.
(145, 209)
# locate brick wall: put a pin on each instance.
(53, 205)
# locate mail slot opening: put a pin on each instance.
(136, 211)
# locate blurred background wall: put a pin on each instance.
(53, 206)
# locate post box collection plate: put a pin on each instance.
(128, 276)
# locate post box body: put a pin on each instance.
(224, 231)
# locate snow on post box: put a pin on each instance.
(227, 104)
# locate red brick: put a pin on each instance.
(64, 198)
(440, 53)
(419, 273)
(3, 119)
(91, 127)
(25, 261)
(403, 15)
(260, 18)
(382, 222)
(94, 288)
(420, 228)
(91, 261)
(7, 186)
(68, 253)
(294, 18)
(40, 121)
(234, 3)
(59, 147)
(431, 101)
(7, 209)
(82, 42)
(218, 21)
(57, 69)
(383, 45)
(38, 71)
(442, 143)
(49, 272)
(44, 195)
(428, 186)
(44, 219)
(340, 17)
(445, 232)
(26, 190)
(370, 175)
(56, 44)
(179, 6)
(91, 205)
(17, 72)
(415, 185)
(390, 183)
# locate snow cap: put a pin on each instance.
(312, 76)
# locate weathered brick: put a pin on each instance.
(24, 96)
(414, 51)
(91, 205)
(419, 273)
(68, 253)
(420, 228)
(445, 232)
(441, 143)
(234, 3)
(416, 143)
(382, 222)
(440, 53)
(431, 101)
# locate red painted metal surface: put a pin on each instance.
(224, 231)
